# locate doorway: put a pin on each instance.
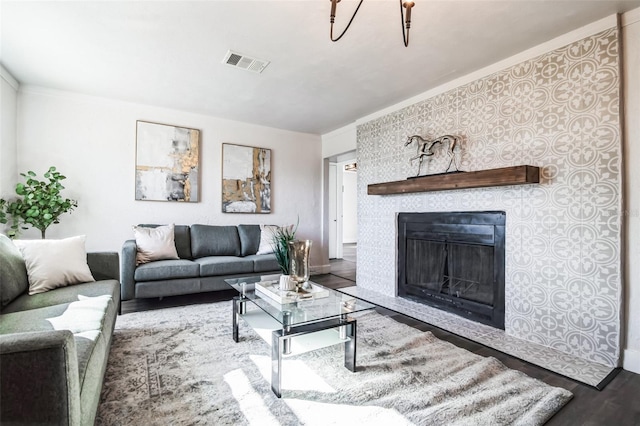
(343, 212)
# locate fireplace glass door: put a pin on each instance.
(457, 270)
(454, 261)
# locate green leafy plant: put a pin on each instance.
(3, 215)
(40, 203)
(280, 244)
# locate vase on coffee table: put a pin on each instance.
(299, 261)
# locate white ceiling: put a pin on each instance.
(169, 53)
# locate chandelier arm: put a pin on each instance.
(349, 24)
(405, 36)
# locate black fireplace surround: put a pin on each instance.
(454, 261)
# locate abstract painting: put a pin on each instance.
(246, 179)
(167, 162)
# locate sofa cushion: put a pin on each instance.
(65, 295)
(32, 320)
(224, 265)
(83, 315)
(167, 269)
(37, 320)
(182, 238)
(55, 263)
(155, 243)
(13, 272)
(249, 239)
(207, 240)
(264, 262)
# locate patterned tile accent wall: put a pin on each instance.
(559, 111)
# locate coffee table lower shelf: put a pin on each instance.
(287, 340)
(264, 325)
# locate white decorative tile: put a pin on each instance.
(560, 112)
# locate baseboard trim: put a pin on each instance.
(608, 379)
(320, 269)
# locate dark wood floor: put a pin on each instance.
(617, 404)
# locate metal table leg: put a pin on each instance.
(277, 348)
(281, 341)
(239, 308)
(280, 345)
(350, 345)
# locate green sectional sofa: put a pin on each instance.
(208, 255)
(54, 375)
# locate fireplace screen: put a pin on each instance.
(454, 261)
(457, 270)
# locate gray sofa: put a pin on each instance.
(52, 376)
(208, 255)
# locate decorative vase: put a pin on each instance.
(286, 283)
(299, 261)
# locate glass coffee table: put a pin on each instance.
(296, 322)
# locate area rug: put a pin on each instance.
(180, 366)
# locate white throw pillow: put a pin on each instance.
(267, 232)
(155, 243)
(55, 263)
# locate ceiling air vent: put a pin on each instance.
(245, 62)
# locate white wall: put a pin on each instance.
(631, 63)
(349, 206)
(339, 141)
(8, 110)
(93, 141)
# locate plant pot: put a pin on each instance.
(286, 283)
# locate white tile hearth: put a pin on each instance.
(579, 369)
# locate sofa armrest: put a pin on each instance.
(128, 269)
(104, 265)
(39, 383)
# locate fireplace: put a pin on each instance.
(454, 261)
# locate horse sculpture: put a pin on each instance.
(425, 149)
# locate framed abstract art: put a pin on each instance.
(167, 162)
(246, 179)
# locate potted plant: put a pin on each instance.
(40, 203)
(281, 238)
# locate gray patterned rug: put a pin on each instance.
(180, 366)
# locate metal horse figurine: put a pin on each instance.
(425, 149)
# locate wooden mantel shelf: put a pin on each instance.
(517, 175)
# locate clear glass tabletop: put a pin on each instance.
(295, 308)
